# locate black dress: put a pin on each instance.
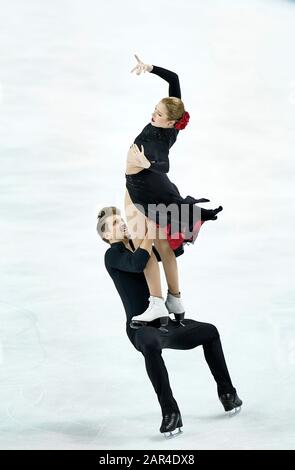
(152, 187)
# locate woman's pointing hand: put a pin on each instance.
(141, 66)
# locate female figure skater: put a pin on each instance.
(150, 193)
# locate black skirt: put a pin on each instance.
(159, 199)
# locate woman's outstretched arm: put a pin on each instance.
(170, 77)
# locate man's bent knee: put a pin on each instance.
(213, 331)
(146, 340)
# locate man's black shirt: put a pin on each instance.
(126, 270)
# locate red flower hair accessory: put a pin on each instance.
(182, 122)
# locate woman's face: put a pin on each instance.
(159, 117)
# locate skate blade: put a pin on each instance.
(177, 322)
(234, 412)
(163, 329)
(179, 317)
(135, 326)
(173, 434)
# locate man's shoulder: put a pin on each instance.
(107, 251)
(108, 255)
(111, 253)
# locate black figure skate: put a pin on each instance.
(170, 422)
(231, 403)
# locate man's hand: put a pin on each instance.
(136, 159)
(141, 67)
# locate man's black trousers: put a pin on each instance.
(150, 341)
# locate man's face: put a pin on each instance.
(159, 117)
(116, 229)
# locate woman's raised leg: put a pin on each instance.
(173, 301)
(169, 264)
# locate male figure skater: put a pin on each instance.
(125, 265)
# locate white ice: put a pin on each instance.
(70, 108)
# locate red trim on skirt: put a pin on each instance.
(177, 238)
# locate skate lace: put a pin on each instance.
(151, 303)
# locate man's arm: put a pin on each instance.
(137, 160)
(127, 261)
(147, 242)
(132, 262)
(156, 156)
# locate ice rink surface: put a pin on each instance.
(70, 109)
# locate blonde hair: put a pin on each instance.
(174, 107)
(102, 216)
